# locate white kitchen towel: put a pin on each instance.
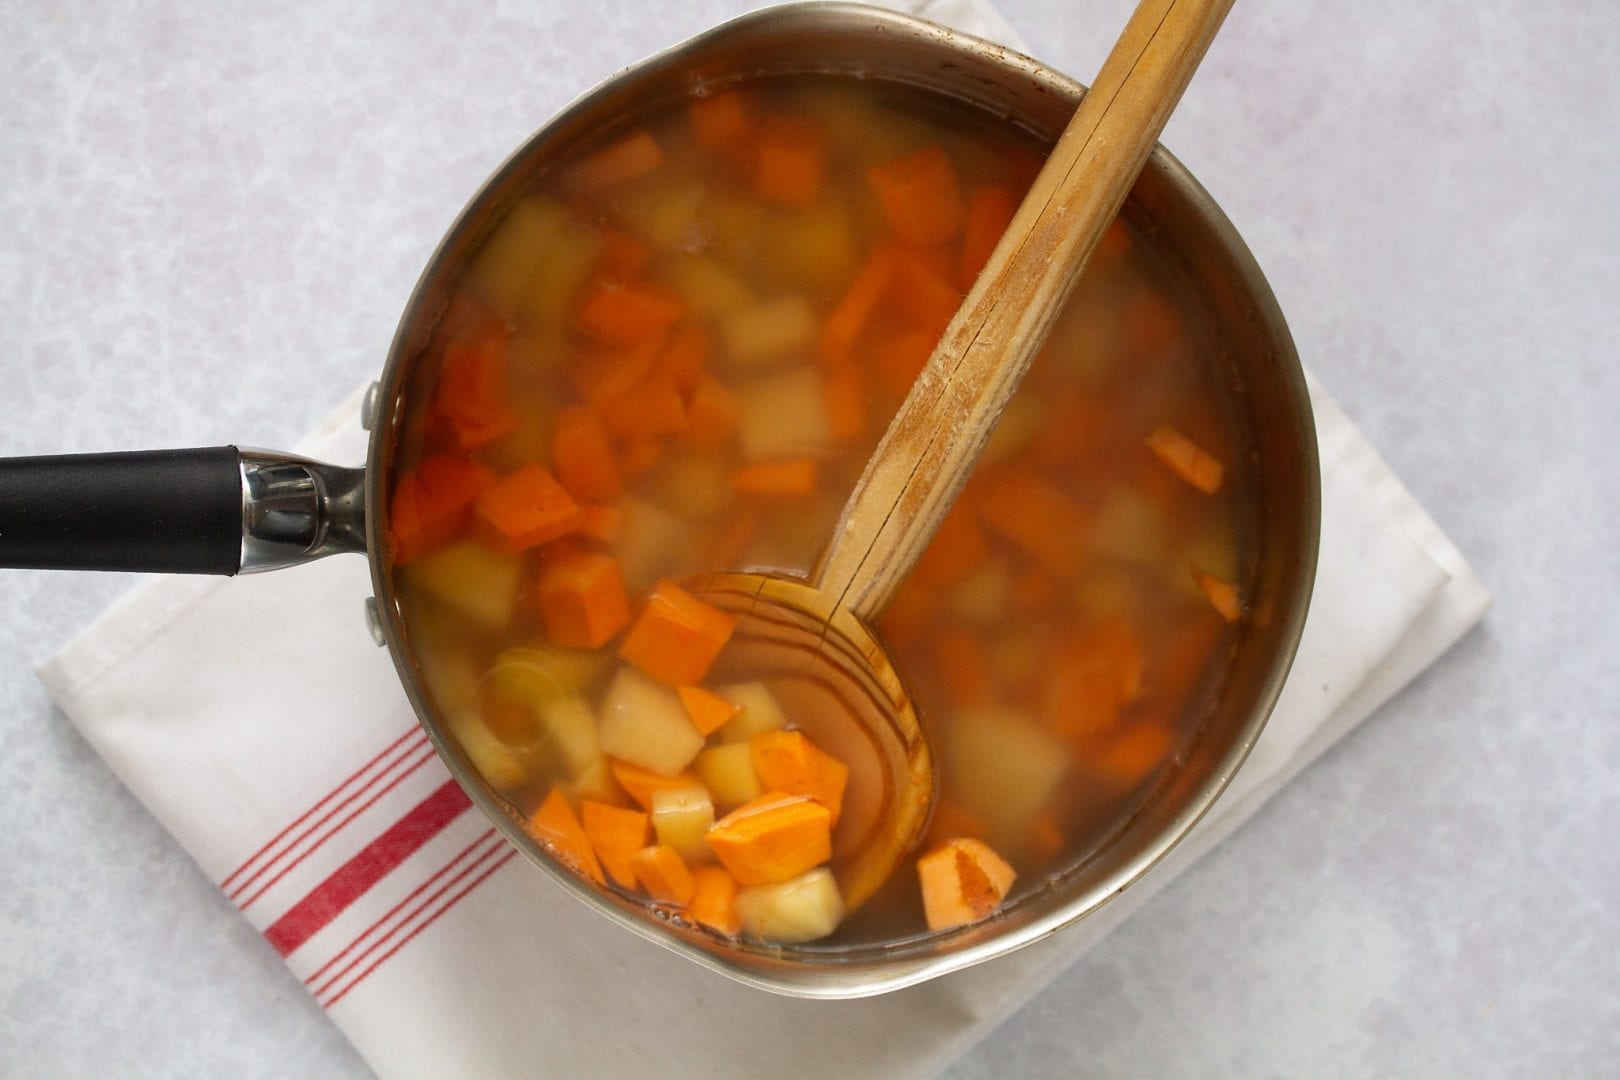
(260, 724)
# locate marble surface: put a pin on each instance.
(210, 218)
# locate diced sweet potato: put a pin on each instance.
(963, 881)
(787, 761)
(708, 710)
(662, 873)
(919, 195)
(677, 636)
(560, 833)
(1185, 459)
(641, 784)
(525, 509)
(790, 159)
(615, 834)
(773, 838)
(582, 599)
(714, 900)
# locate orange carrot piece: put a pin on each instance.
(849, 317)
(1092, 678)
(789, 479)
(615, 834)
(1223, 595)
(637, 456)
(963, 668)
(654, 408)
(633, 156)
(900, 358)
(1033, 591)
(628, 315)
(677, 636)
(582, 456)
(773, 838)
(604, 374)
(707, 709)
(432, 505)
(560, 833)
(957, 549)
(788, 762)
(843, 397)
(622, 256)
(721, 121)
(525, 509)
(989, 211)
(790, 160)
(919, 195)
(662, 872)
(582, 599)
(712, 414)
(1136, 752)
(714, 900)
(962, 882)
(641, 784)
(1035, 517)
(601, 523)
(1185, 459)
(922, 291)
(469, 400)
(729, 547)
(684, 358)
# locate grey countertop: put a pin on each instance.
(211, 215)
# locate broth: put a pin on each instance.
(674, 355)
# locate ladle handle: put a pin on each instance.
(935, 438)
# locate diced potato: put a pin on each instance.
(769, 333)
(475, 580)
(569, 726)
(680, 817)
(1001, 766)
(981, 598)
(448, 669)
(791, 912)
(728, 772)
(695, 485)
(1210, 550)
(560, 270)
(652, 537)
(816, 246)
(1129, 527)
(494, 762)
(506, 264)
(667, 217)
(596, 783)
(784, 417)
(760, 712)
(708, 288)
(643, 722)
(1106, 592)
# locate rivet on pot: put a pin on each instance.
(374, 621)
(368, 406)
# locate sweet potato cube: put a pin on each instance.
(712, 413)
(560, 833)
(707, 709)
(651, 409)
(722, 120)
(629, 315)
(641, 784)
(1223, 595)
(582, 599)
(615, 834)
(469, 401)
(677, 636)
(714, 900)
(919, 195)
(633, 156)
(793, 478)
(790, 159)
(774, 838)
(962, 882)
(583, 457)
(786, 761)
(791, 912)
(525, 509)
(1035, 517)
(1185, 459)
(661, 872)
(432, 504)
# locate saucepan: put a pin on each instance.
(227, 510)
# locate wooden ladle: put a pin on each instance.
(811, 639)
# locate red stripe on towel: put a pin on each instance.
(350, 881)
(328, 797)
(242, 905)
(453, 901)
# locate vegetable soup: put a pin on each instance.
(673, 355)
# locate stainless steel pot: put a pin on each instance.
(228, 511)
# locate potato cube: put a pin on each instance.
(569, 726)
(474, 580)
(1001, 767)
(488, 755)
(784, 416)
(708, 288)
(506, 263)
(791, 912)
(728, 772)
(760, 712)
(769, 333)
(643, 722)
(681, 816)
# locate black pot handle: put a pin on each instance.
(218, 510)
